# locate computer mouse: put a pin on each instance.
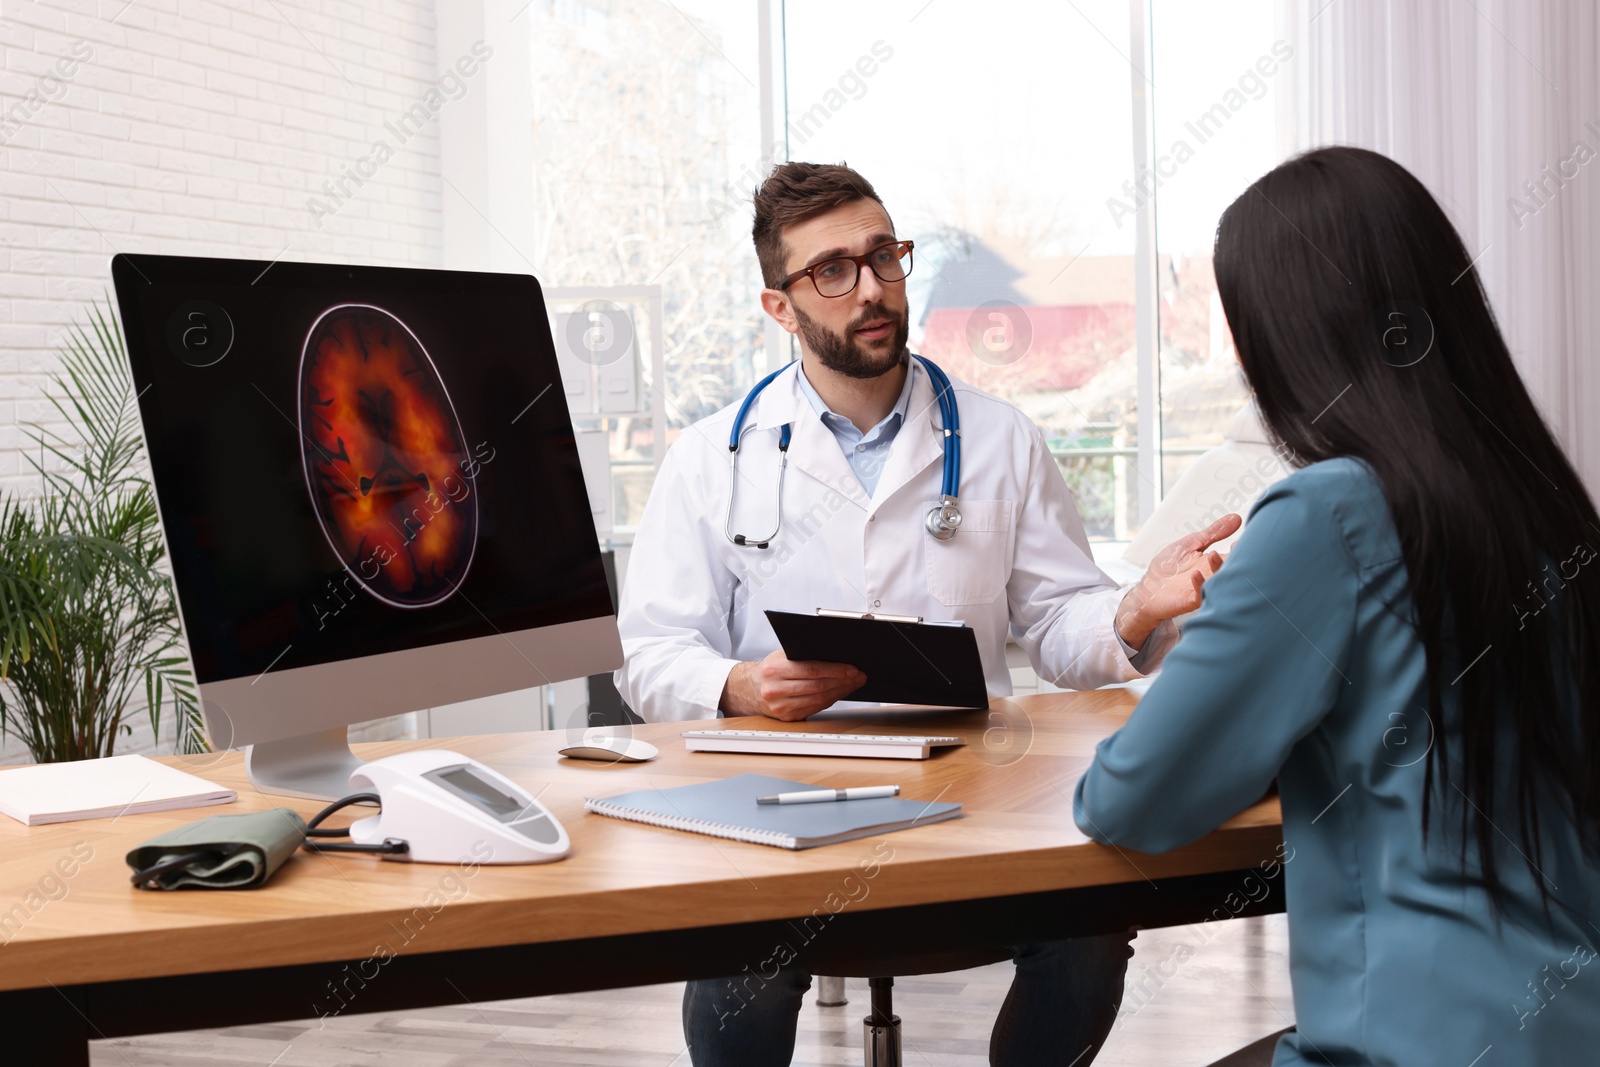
(611, 749)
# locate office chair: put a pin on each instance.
(1230, 476)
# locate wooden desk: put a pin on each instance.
(631, 905)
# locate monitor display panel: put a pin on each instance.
(353, 462)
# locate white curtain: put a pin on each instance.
(1478, 98)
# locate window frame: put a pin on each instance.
(1149, 454)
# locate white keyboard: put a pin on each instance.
(780, 743)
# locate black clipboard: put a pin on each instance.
(905, 662)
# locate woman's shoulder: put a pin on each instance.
(1345, 494)
(1343, 477)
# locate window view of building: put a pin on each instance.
(1023, 284)
(1024, 214)
(1055, 336)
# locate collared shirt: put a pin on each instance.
(865, 452)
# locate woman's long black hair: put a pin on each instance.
(1363, 331)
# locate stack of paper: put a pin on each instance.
(98, 788)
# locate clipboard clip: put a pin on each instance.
(835, 613)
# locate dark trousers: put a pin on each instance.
(1063, 1000)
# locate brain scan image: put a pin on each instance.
(386, 463)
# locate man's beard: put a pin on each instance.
(845, 355)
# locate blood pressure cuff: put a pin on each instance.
(220, 852)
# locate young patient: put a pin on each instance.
(1407, 636)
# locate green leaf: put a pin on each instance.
(88, 616)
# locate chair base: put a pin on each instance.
(880, 1031)
(880, 1044)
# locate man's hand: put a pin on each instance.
(1172, 584)
(781, 688)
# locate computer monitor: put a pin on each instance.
(370, 493)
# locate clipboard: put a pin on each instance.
(905, 662)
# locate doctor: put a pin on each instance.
(839, 496)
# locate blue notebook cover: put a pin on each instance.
(728, 808)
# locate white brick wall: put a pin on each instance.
(196, 127)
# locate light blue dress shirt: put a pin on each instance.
(1302, 665)
(865, 452)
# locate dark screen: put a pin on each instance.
(355, 460)
(481, 792)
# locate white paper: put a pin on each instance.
(91, 789)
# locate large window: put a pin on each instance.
(645, 116)
(995, 143)
(1007, 144)
(1215, 132)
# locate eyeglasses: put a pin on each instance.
(838, 277)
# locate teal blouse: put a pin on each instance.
(1301, 665)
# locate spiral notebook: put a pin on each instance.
(728, 808)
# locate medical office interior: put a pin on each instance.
(308, 182)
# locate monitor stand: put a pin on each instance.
(313, 766)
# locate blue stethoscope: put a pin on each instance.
(942, 522)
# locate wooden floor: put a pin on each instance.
(1193, 994)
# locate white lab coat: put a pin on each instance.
(693, 604)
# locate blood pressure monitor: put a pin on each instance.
(448, 808)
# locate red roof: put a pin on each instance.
(1011, 350)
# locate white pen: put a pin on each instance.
(825, 796)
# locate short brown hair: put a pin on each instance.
(795, 192)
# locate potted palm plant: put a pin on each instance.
(88, 617)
